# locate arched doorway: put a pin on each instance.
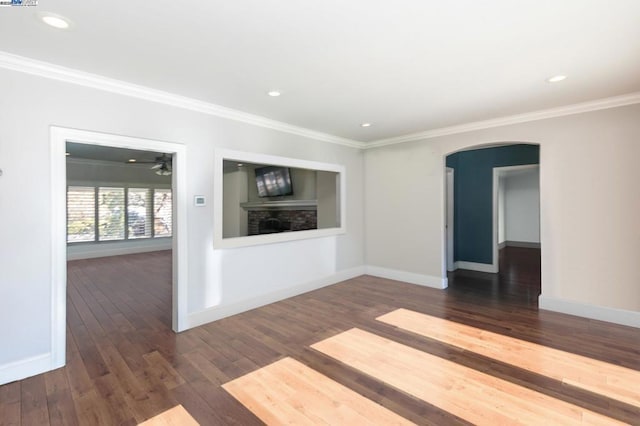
(492, 203)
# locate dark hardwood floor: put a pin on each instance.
(125, 365)
(517, 282)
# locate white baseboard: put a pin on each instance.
(91, 251)
(218, 312)
(521, 244)
(24, 368)
(473, 266)
(409, 277)
(602, 313)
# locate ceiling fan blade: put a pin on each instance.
(157, 166)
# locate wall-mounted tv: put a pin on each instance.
(273, 181)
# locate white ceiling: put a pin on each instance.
(405, 66)
(108, 153)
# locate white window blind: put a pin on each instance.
(110, 214)
(98, 213)
(81, 214)
(139, 213)
(162, 211)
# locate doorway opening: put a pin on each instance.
(116, 208)
(492, 197)
(119, 237)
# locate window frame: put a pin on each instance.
(96, 186)
(219, 242)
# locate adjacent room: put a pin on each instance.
(260, 212)
(493, 204)
(119, 246)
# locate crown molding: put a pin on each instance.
(599, 104)
(95, 81)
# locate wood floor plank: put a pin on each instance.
(34, 408)
(176, 416)
(93, 409)
(593, 375)
(10, 404)
(110, 391)
(195, 404)
(470, 394)
(290, 392)
(62, 412)
(125, 364)
(163, 370)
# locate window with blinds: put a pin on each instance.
(110, 214)
(81, 214)
(100, 213)
(139, 213)
(162, 212)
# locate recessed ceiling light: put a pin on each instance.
(556, 78)
(132, 160)
(67, 154)
(365, 125)
(274, 93)
(240, 164)
(55, 20)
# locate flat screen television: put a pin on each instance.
(273, 181)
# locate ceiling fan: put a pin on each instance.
(162, 164)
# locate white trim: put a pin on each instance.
(95, 81)
(247, 157)
(58, 247)
(59, 137)
(520, 244)
(218, 312)
(93, 250)
(497, 171)
(95, 162)
(601, 313)
(595, 105)
(280, 237)
(474, 266)
(449, 195)
(408, 277)
(121, 184)
(180, 238)
(27, 367)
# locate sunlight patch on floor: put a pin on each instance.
(612, 381)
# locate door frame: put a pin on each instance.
(449, 217)
(497, 171)
(59, 136)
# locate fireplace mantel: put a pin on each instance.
(281, 205)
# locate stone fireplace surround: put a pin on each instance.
(276, 220)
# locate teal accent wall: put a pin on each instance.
(473, 196)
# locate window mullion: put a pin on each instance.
(153, 212)
(96, 203)
(126, 213)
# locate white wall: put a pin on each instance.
(522, 206)
(235, 190)
(327, 192)
(589, 228)
(217, 278)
